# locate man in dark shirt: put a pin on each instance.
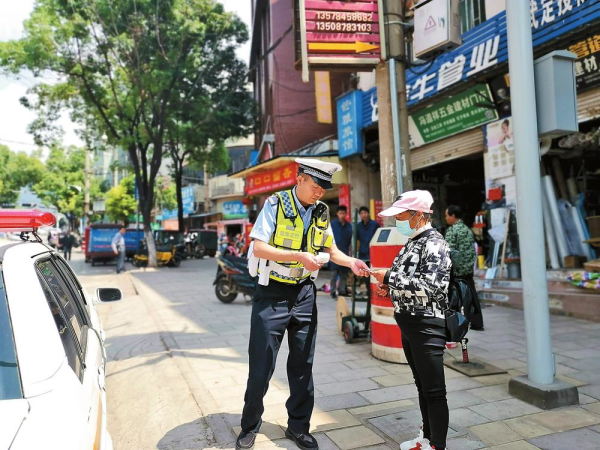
(365, 230)
(460, 238)
(67, 243)
(342, 233)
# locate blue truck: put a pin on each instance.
(98, 247)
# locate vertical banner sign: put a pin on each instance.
(349, 117)
(376, 208)
(345, 196)
(323, 97)
(340, 34)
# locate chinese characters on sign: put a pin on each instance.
(273, 180)
(485, 47)
(349, 117)
(587, 70)
(470, 108)
(482, 57)
(340, 33)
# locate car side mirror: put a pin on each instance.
(109, 294)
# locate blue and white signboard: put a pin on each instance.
(188, 204)
(485, 46)
(370, 107)
(349, 118)
(235, 210)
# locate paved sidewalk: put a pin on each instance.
(361, 402)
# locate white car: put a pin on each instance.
(52, 357)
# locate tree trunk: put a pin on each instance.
(146, 198)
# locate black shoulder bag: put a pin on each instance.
(460, 303)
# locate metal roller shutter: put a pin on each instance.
(588, 105)
(467, 143)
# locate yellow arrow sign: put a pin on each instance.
(357, 47)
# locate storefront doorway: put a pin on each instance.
(460, 182)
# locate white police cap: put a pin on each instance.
(320, 171)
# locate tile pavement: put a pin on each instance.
(362, 402)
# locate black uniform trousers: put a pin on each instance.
(276, 308)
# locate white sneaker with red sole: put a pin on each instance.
(416, 444)
(419, 443)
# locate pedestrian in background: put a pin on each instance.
(118, 246)
(365, 230)
(460, 238)
(68, 241)
(342, 233)
(418, 284)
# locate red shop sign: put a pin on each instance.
(272, 180)
(340, 34)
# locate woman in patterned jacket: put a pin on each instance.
(418, 283)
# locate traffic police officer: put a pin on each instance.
(292, 239)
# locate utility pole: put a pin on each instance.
(539, 387)
(394, 140)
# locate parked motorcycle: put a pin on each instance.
(233, 278)
(198, 250)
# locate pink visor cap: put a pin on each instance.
(416, 200)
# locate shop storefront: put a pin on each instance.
(461, 134)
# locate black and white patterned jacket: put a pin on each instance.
(419, 278)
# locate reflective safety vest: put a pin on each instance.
(289, 233)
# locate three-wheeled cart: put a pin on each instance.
(354, 320)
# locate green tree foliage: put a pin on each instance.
(120, 64)
(64, 179)
(166, 197)
(120, 200)
(17, 170)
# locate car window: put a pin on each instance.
(67, 335)
(67, 299)
(10, 382)
(75, 285)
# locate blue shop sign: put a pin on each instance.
(485, 47)
(349, 117)
(188, 204)
(370, 107)
(235, 210)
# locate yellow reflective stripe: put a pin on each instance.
(97, 440)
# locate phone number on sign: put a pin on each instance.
(345, 16)
(341, 26)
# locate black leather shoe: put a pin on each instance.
(245, 441)
(305, 441)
